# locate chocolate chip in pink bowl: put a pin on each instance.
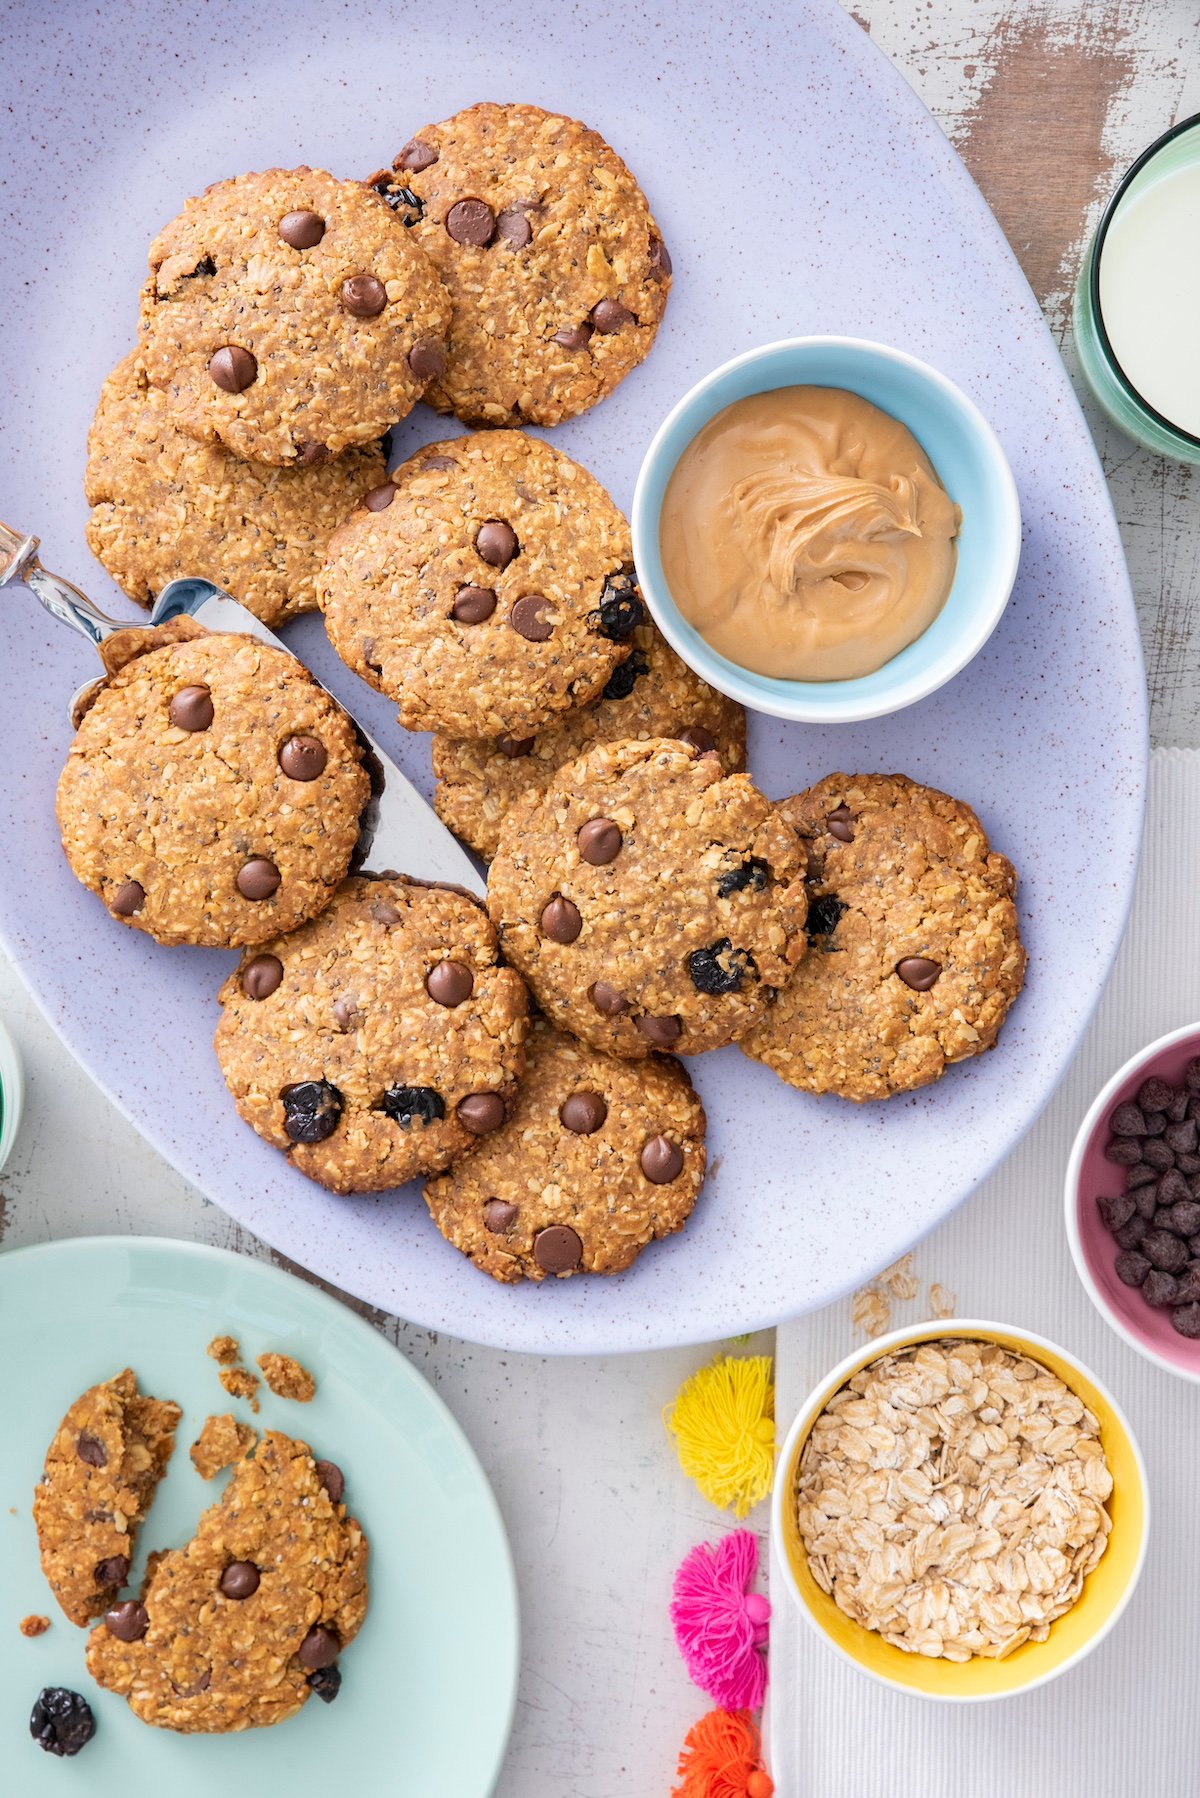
(1093, 1174)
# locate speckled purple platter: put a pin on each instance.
(801, 188)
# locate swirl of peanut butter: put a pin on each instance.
(806, 535)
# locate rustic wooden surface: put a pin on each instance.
(1046, 101)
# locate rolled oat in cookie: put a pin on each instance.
(221, 1442)
(378, 1042)
(915, 952)
(596, 1159)
(557, 272)
(478, 588)
(287, 1379)
(651, 900)
(102, 1470)
(288, 316)
(232, 1631)
(239, 1382)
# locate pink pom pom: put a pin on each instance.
(721, 1628)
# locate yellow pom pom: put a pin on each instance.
(723, 1422)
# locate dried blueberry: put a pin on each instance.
(1159, 1289)
(751, 875)
(621, 609)
(312, 1110)
(1115, 1211)
(1132, 1267)
(408, 1105)
(720, 968)
(1186, 1320)
(326, 1682)
(624, 679)
(61, 1721)
(823, 915)
(402, 200)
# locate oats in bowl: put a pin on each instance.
(952, 1497)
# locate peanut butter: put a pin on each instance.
(805, 534)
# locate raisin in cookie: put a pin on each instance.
(213, 792)
(915, 950)
(102, 1471)
(653, 694)
(651, 900)
(164, 505)
(378, 1042)
(596, 1159)
(289, 316)
(556, 269)
(471, 588)
(237, 1630)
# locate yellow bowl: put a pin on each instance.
(1106, 1591)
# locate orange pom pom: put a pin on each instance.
(721, 1758)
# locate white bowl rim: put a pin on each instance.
(1071, 1198)
(12, 1081)
(724, 675)
(911, 1336)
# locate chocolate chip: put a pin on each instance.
(1187, 1164)
(582, 1113)
(1185, 1319)
(1156, 1123)
(326, 1682)
(1127, 1120)
(258, 878)
(240, 1580)
(332, 1478)
(621, 609)
(113, 1570)
(662, 1160)
(439, 462)
(427, 359)
(1158, 1155)
(824, 915)
(1138, 1175)
(312, 455)
(1124, 1150)
(514, 229)
(699, 739)
(560, 920)
(609, 316)
(191, 708)
(1164, 1251)
(480, 1113)
(574, 337)
(599, 842)
(660, 259)
(449, 983)
(473, 604)
(302, 230)
(528, 618)
(128, 899)
(1116, 1210)
(496, 542)
(416, 156)
(515, 747)
(1146, 1201)
(840, 823)
(380, 498)
(409, 1105)
(623, 680)
(1131, 1267)
(1191, 1075)
(91, 1450)
(918, 972)
(499, 1216)
(471, 222)
(557, 1249)
(233, 368)
(384, 912)
(363, 296)
(1132, 1234)
(1171, 1187)
(128, 1622)
(609, 1002)
(1160, 1289)
(660, 1031)
(261, 976)
(1181, 1138)
(1177, 1108)
(719, 969)
(312, 1110)
(751, 875)
(1185, 1217)
(61, 1721)
(320, 1648)
(1155, 1094)
(303, 758)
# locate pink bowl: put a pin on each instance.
(1089, 1175)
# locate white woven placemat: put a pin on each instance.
(1123, 1722)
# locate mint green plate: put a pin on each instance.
(429, 1684)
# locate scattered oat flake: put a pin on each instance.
(942, 1302)
(871, 1311)
(221, 1442)
(224, 1349)
(239, 1382)
(899, 1279)
(286, 1378)
(34, 1624)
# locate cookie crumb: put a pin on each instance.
(239, 1382)
(221, 1442)
(34, 1624)
(224, 1349)
(286, 1378)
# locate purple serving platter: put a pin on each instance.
(801, 187)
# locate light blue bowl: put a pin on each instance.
(970, 464)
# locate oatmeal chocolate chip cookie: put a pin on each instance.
(596, 1159)
(164, 505)
(378, 1042)
(915, 952)
(556, 269)
(471, 589)
(651, 900)
(221, 1442)
(213, 792)
(289, 316)
(231, 1630)
(102, 1469)
(653, 694)
(287, 1379)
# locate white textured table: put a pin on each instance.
(1045, 99)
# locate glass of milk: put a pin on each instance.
(1137, 303)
